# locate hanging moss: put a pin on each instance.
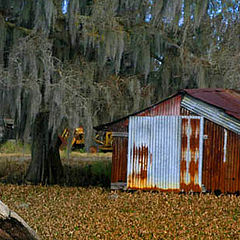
(113, 56)
(45, 16)
(2, 41)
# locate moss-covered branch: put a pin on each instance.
(22, 29)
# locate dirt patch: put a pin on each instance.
(73, 156)
(86, 157)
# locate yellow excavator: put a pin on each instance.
(77, 141)
(104, 141)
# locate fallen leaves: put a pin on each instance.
(95, 213)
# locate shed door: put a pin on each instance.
(191, 154)
(119, 158)
(159, 158)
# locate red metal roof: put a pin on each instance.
(226, 99)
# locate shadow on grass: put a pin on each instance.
(91, 174)
(82, 174)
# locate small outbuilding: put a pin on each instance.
(189, 141)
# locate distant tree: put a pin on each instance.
(103, 59)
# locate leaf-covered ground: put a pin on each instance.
(95, 213)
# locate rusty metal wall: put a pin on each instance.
(221, 166)
(221, 157)
(213, 157)
(158, 159)
(166, 108)
(119, 159)
(185, 112)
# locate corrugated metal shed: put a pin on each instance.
(220, 168)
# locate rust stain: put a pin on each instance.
(193, 170)
(183, 163)
(153, 188)
(138, 178)
(183, 169)
(143, 162)
(191, 187)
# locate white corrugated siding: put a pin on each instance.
(161, 136)
(154, 152)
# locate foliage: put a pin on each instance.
(113, 57)
(94, 213)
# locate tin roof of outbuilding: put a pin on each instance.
(226, 99)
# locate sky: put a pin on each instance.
(64, 6)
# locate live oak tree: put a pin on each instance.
(99, 60)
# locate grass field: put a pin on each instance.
(80, 169)
(96, 213)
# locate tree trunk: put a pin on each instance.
(46, 166)
(13, 227)
(88, 127)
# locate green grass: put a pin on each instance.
(15, 147)
(97, 173)
(76, 172)
(80, 169)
